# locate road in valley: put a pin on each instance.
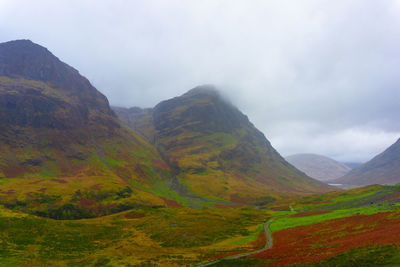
(268, 246)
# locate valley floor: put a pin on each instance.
(358, 227)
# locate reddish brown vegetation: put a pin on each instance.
(395, 196)
(10, 192)
(160, 164)
(309, 213)
(97, 187)
(14, 170)
(61, 181)
(171, 203)
(134, 215)
(315, 242)
(280, 208)
(239, 199)
(260, 242)
(35, 182)
(86, 202)
(223, 206)
(319, 202)
(220, 256)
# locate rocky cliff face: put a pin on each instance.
(38, 90)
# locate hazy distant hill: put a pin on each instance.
(318, 166)
(352, 165)
(382, 169)
(215, 149)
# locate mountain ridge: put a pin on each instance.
(382, 169)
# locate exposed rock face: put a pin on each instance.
(382, 169)
(33, 109)
(38, 90)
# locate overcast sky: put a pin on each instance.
(316, 76)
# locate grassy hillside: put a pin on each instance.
(139, 237)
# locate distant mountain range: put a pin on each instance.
(318, 166)
(382, 169)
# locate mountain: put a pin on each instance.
(352, 165)
(63, 152)
(382, 169)
(215, 151)
(317, 166)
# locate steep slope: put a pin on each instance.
(61, 145)
(317, 166)
(215, 150)
(382, 169)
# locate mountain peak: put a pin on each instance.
(32, 78)
(206, 89)
(21, 43)
(24, 58)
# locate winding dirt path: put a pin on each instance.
(267, 246)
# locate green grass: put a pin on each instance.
(4, 180)
(52, 240)
(250, 238)
(163, 188)
(49, 170)
(347, 199)
(348, 196)
(281, 223)
(112, 162)
(181, 236)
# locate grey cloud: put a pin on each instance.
(314, 75)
